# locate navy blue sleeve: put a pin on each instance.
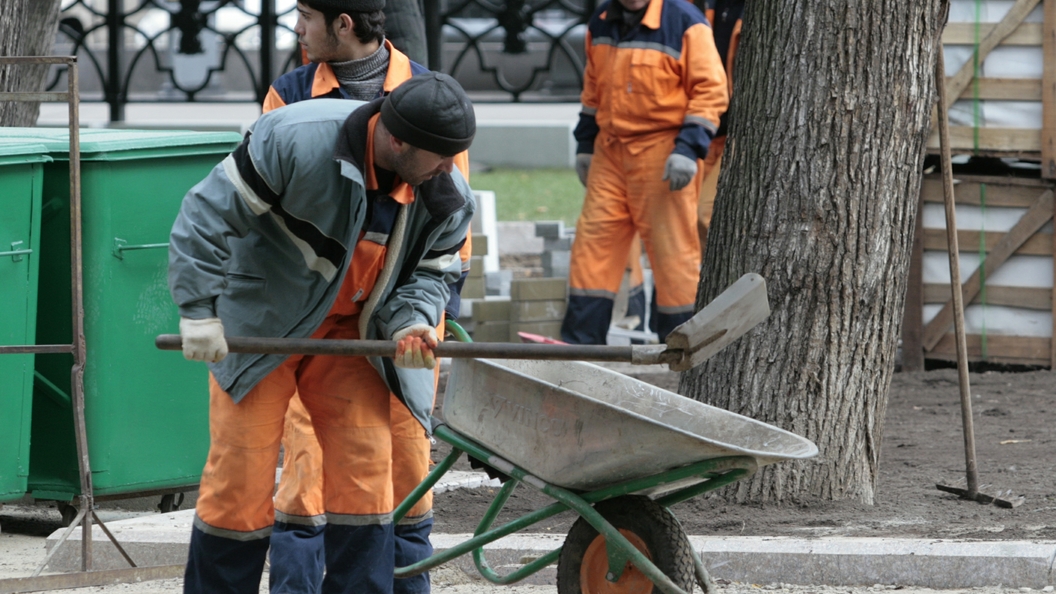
(693, 141)
(585, 133)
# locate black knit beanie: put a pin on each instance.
(432, 112)
(346, 6)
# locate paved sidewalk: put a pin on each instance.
(162, 539)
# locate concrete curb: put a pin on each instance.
(161, 539)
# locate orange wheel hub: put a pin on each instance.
(595, 567)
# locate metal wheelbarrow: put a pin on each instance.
(615, 450)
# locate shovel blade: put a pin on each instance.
(737, 310)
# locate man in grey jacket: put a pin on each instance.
(333, 219)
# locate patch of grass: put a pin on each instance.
(533, 194)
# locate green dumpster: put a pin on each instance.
(146, 411)
(21, 176)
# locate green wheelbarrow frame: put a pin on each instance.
(715, 472)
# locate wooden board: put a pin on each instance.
(1000, 191)
(1011, 21)
(1039, 244)
(1033, 298)
(1015, 350)
(964, 34)
(1004, 89)
(1034, 219)
(997, 140)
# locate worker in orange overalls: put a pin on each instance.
(653, 92)
(725, 18)
(290, 237)
(348, 57)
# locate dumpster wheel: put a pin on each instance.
(653, 530)
(68, 511)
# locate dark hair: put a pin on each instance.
(368, 26)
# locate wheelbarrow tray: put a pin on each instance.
(582, 427)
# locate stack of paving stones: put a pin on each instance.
(557, 247)
(473, 288)
(491, 319)
(537, 306)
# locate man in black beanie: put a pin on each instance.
(352, 58)
(290, 237)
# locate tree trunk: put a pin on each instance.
(27, 28)
(818, 192)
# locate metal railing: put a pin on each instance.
(230, 50)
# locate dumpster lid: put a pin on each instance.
(19, 151)
(108, 144)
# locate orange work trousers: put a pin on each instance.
(711, 166)
(300, 491)
(709, 188)
(350, 409)
(626, 195)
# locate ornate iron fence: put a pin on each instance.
(231, 50)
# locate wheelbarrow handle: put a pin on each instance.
(637, 354)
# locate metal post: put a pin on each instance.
(79, 346)
(434, 34)
(36, 583)
(112, 84)
(267, 48)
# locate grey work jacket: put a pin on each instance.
(265, 240)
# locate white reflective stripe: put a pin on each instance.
(675, 309)
(442, 263)
(253, 201)
(412, 520)
(259, 207)
(319, 520)
(378, 238)
(358, 520)
(706, 123)
(231, 534)
(589, 110)
(311, 260)
(601, 293)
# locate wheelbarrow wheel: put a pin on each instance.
(584, 562)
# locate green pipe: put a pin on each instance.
(423, 488)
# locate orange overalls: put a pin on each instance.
(725, 17)
(299, 498)
(656, 90)
(351, 413)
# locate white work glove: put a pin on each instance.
(680, 169)
(203, 340)
(414, 347)
(583, 166)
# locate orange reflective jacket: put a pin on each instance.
(664, 78)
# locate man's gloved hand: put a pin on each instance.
(583, 166)
(414, 347)
(203, 340)
(680, 169)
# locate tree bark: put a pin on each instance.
(818, 193)
(27, 28)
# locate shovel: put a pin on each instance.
(737, 310)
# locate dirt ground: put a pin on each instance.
(1014, 416)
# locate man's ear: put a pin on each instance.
(344, 24)
(397, 145)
